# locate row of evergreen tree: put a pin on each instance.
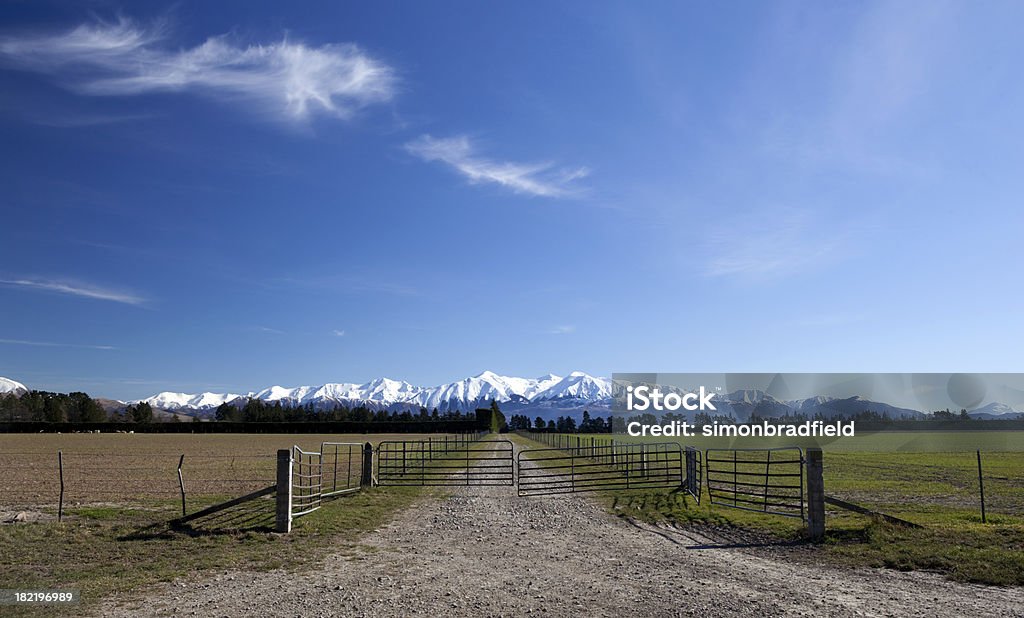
(564, 424)
(52, 408)
(259, 411)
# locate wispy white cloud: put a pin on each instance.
(77, 289)
(268, 330)
(286, 77)
(563, 329)
(50, 344)
(541, 179)
(338, 333)
(775, 244)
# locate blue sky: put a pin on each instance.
(224, 196)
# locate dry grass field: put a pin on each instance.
(123, 468)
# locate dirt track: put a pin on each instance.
(485, 552)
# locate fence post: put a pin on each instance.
(60, 468)
(284, 491)
(815, 495)
(981, 488)
(367, 477)
(181, 484)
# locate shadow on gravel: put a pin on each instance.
(715, 539)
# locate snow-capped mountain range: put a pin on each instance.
(383, 393)
(548, 396)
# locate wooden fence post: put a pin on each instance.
(60, 469)
(284, 491)
(367, 477)
(181, 484)
(981, 488)
(815, 495)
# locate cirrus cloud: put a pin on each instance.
(76, 289)
(286, 77)
(51, 344)
(540, 179)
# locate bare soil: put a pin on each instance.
(483, 551)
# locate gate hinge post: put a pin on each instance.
(283, 519)
(815, 495)
(366, 480)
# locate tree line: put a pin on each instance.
(51, 408)
(259, 411)
(564, 424)
(77, 407)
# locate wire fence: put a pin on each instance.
(924, 486)
(38, 479)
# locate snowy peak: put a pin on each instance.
(578, 385)
(177, 401)
(995, 411)
(8, 386)
(387, 393)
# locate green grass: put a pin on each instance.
(967, 552)
(938, 490)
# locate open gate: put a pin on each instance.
(307, 481)
(768, 480)
(334, 470)
(440, 463)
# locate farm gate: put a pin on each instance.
(602, 466)
(763, 480)
(768, 480)
(456, 461)
(334, 470)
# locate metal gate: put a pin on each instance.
(762, 480)
(440, 463)
(334, 470)
(307, 481)
(600, 467)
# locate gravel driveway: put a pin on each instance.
(482, 551)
